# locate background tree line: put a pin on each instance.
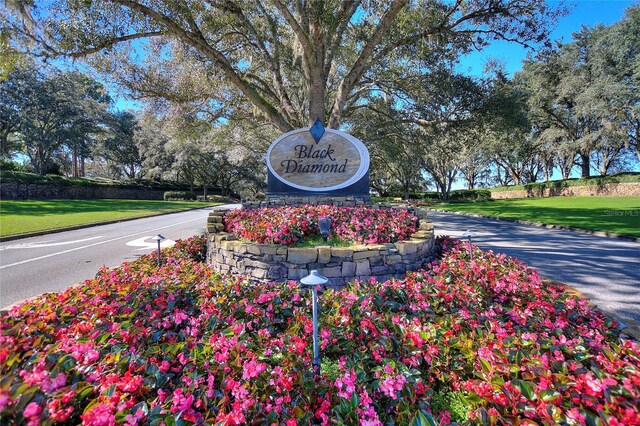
(220, 80)
(61, 122)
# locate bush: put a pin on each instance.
(480, 342)
(6, 166)
(470, 195)
(386, 199)
(19, 176)
(457, 195)
(216, 199)
(179, 196)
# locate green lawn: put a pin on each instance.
(620, 215)
(22, 216)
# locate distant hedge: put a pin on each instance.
(559, 184)
(455, 195)
(216, 199)
(179, 196)
(12, 176)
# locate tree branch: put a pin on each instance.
(364, 59)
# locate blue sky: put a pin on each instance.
(583, 13)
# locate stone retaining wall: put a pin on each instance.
(625, 189)
(270, 262)
(23, 191)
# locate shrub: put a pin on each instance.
(179, 196)
(287, 225)
(472, 194)
(481, 342)
(216, 199)
(375, 199)
(23, 177)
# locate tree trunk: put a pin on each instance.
(74, 161)
(471, 182)
(82, 172)
(585, 167)
(317, 94)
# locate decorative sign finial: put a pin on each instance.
(317, 130)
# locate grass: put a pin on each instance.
(316, 241)
(24, 216)
(620, 215)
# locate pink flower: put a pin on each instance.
(252, 368)
(4, 399)
(100, 415)
(346, 384)
(181, 401)
(91, 355)
(130, 383)
(32, 410)
(390, 386)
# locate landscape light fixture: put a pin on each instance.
(325, 226)
(468, 236)
(313, 280)
(159, 239)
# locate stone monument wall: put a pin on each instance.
(271, 262)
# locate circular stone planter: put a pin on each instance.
(272, 262)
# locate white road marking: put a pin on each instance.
(91, 245)
(140, 242)
(47, 244)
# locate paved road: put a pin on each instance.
(51, 263)
(607, 270)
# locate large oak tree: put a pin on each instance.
(292, 60)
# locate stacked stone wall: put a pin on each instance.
(624, 189)
(270, 262)
(23, 191)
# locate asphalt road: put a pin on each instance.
(33, 266)
(605, 269)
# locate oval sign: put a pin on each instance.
(335, 161)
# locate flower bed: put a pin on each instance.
(277, 262)
(287, 225)
(482, 341)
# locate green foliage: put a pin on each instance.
(453, 402)
(388, 199)
(216, 199)
(47, 112)
(119, 148)
(8, 166)
(583, 96)
(455, 195)
(18, 176)
(315, 55)
(330, 368)
(473, 194)
(316, 240)
(179, 196)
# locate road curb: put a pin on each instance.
(89, 225)
(604, 234)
